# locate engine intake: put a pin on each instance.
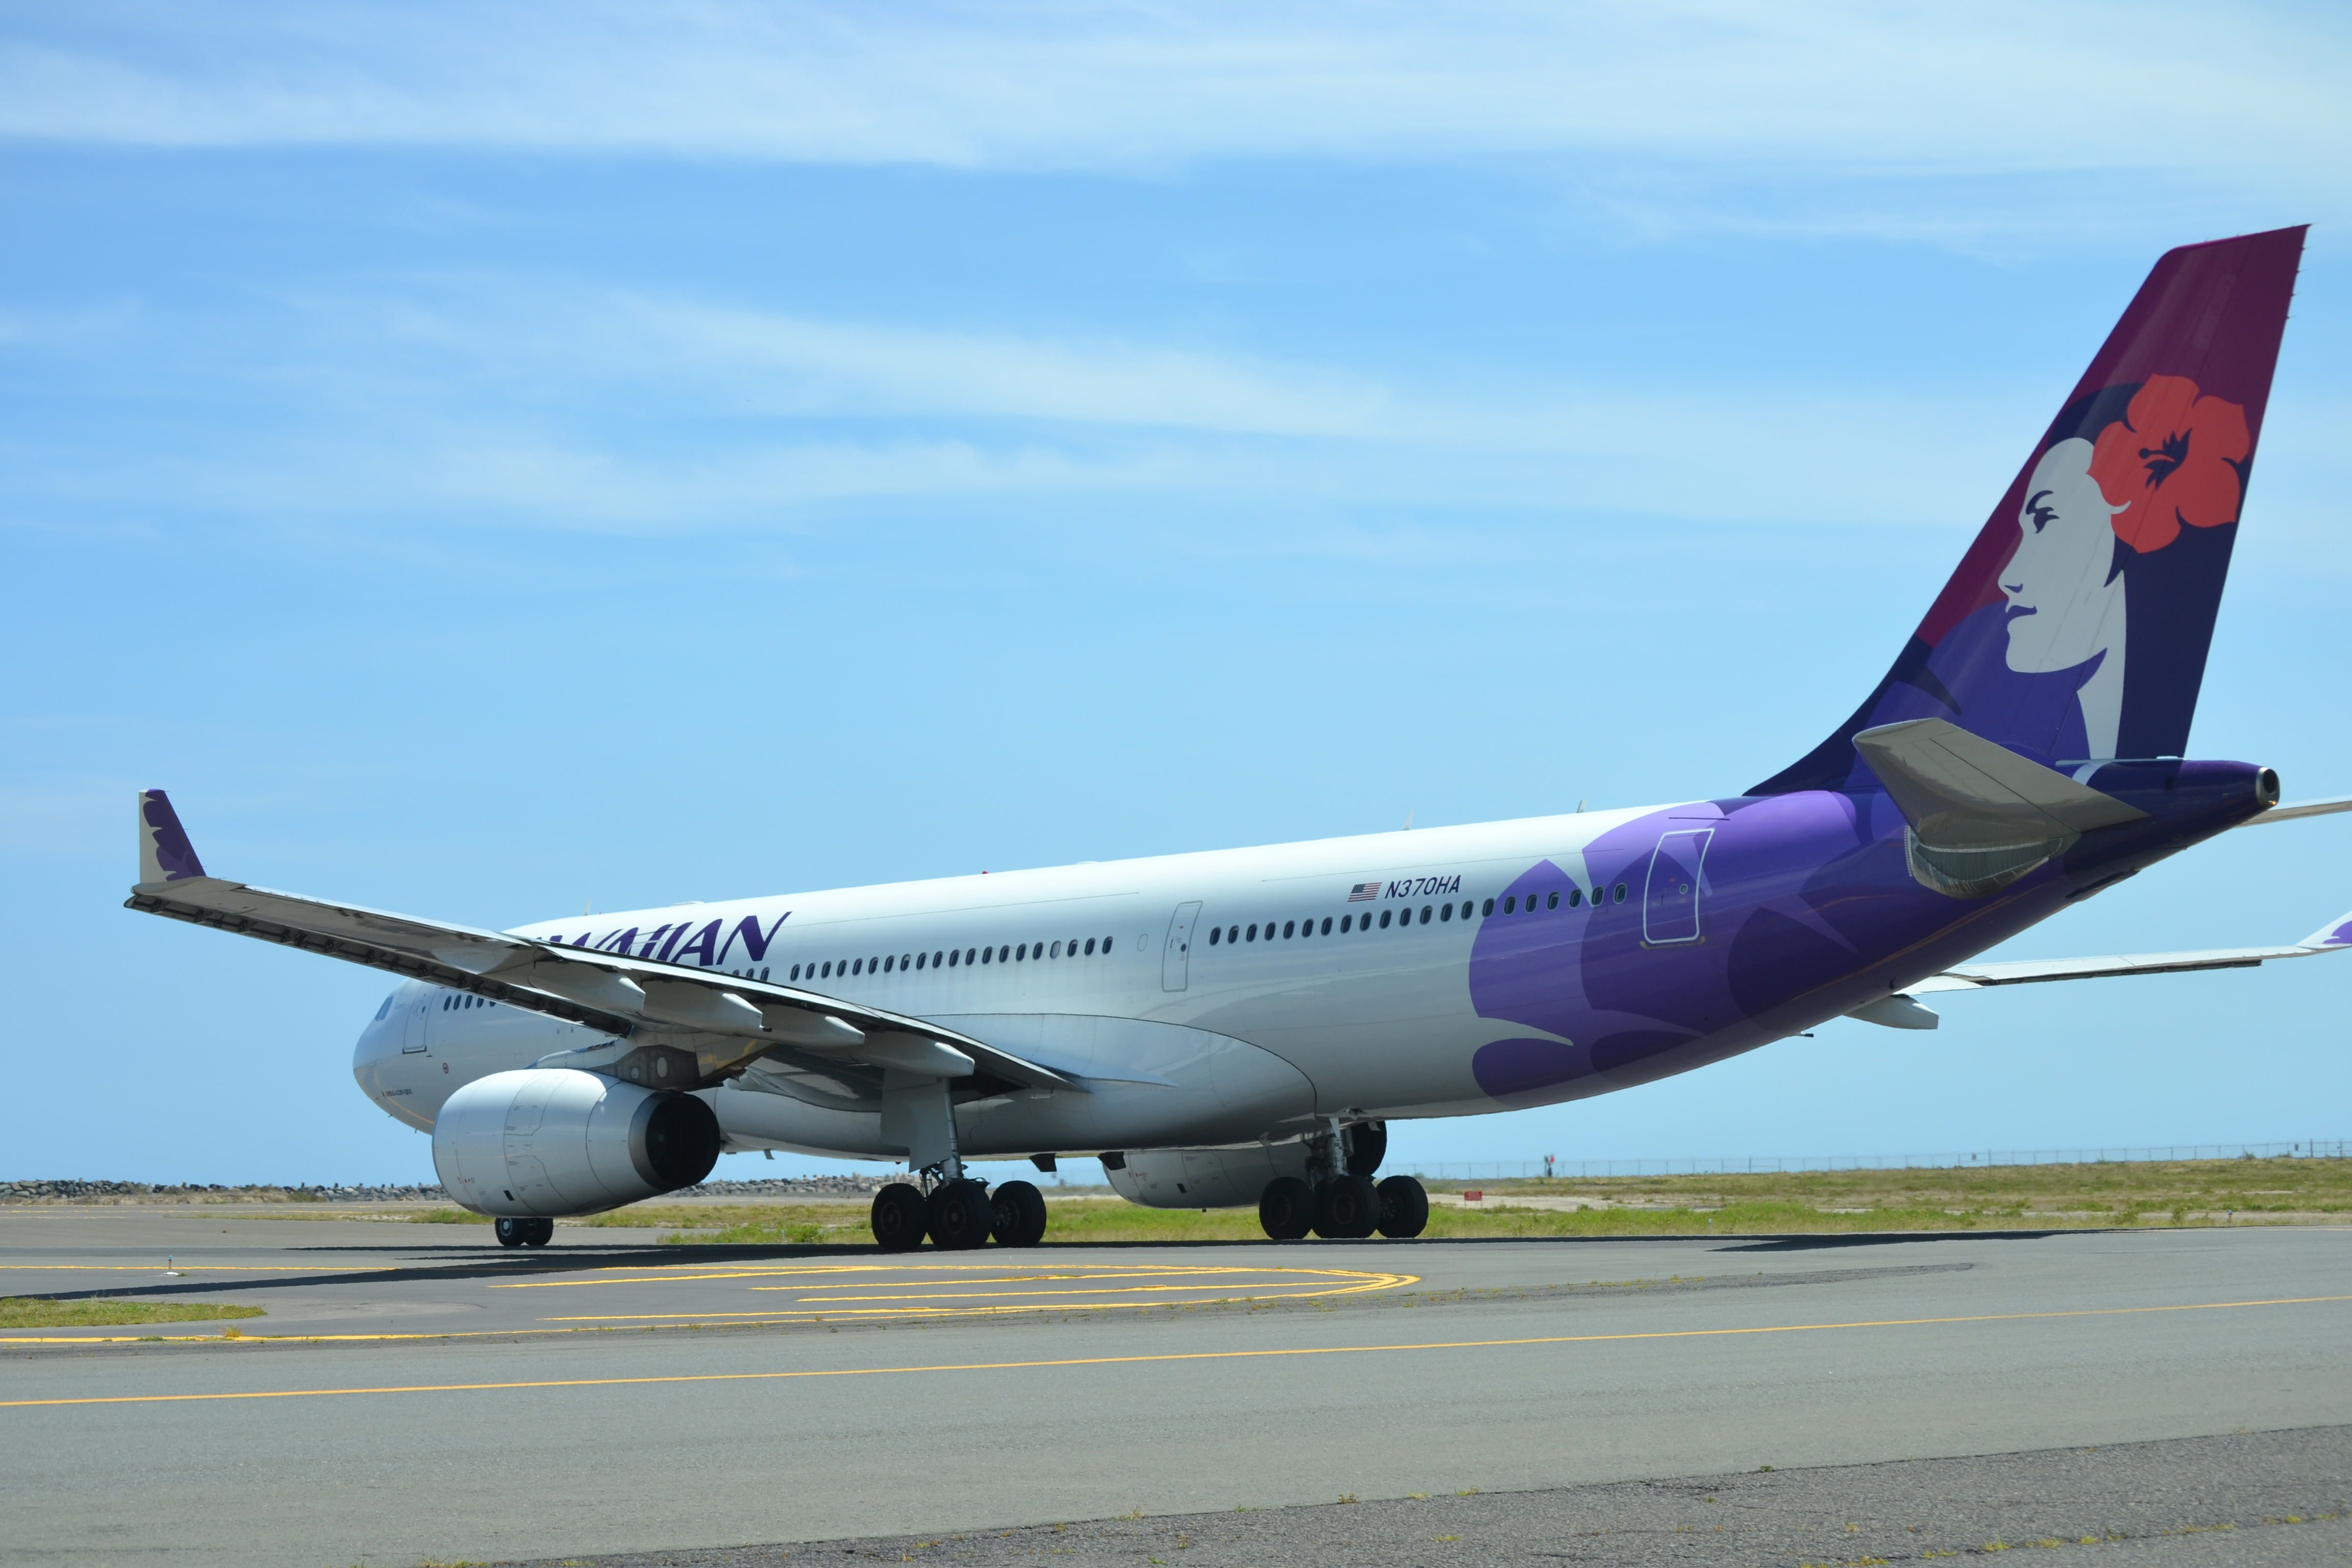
(555, 1141)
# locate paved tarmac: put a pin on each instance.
(599, 1398)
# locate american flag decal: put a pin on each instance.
(1363, 890)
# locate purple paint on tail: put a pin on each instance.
(2077, 624)
(174, 853)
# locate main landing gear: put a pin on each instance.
(1343, 1203)
(526, 1232)
(958, 1214)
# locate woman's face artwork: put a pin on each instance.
(2065, 601)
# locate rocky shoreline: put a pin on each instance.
(102, 1191)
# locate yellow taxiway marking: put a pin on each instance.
(1165, 1356)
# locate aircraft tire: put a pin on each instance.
(537, 1232)
(1019, 1210)
(1404, 1207)
(899, 1218)
(961, 1214)
(509, 1231)
(1347, 1209)
(1287, 1209)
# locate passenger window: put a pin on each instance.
(1054, 951)
(1346, 924)
(1445, 913)
(953, 959)
(1106, 944)
(1288, 927)
(936, 957)
(1090, 947)
(1327, 925)
(1022, 952)
(1253, 930)
(1488, 909)
(1424, 914)
(1617, 895)
(921, 959)
(1216, 935)
(1384, 919)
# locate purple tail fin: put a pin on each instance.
(2077, 624)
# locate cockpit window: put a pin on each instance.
(380, 1012)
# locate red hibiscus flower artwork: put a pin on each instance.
(2172, 458)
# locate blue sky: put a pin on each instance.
(486, 459)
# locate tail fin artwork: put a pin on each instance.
(2076, 625)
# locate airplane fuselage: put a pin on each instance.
(1239, 995)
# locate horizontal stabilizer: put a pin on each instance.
(2332, 937)
(1980, 815)
(2294, 810)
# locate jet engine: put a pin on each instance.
(554, 1141)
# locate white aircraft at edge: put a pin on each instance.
(1239, 1027)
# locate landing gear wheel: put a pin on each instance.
(900, 1218)
(525, 1231)
(1019, 1210)
(961, 1214)
(1287, 1208)
(1347, 1208)
(1404, 1207)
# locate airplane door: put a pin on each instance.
(1175, 959)
(1670, 902)
(411, 1039)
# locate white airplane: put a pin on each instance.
(1239, 1027)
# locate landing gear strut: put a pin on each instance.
(525, 1232)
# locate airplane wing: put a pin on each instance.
(725, 1020)
(2332, 937)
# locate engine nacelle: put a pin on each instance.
(1204, 1178)
(555, 1141)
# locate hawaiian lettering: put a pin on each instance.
(703, 949)
(755, 943)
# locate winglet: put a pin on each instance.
(164, 853)
(2337, 933)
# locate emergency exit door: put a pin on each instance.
(1670, 902)
(1175, 959)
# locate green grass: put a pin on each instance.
(448, 1216)
(2176, 1193)
(39, 1313)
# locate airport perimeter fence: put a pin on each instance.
(1493, 1171)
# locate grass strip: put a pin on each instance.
(40, 1313)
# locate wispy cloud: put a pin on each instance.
(2252, 94)
(484, 404)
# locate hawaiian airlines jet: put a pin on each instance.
(1239, 1027)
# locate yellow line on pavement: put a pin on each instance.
(1165, 1356)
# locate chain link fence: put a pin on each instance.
(1491, 1170)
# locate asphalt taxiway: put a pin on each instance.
(413, 1393)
